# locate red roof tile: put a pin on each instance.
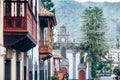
(44, 12)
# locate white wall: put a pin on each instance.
(36, 48)
(1, 22)
(70, 58)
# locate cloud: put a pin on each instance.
(98, 0)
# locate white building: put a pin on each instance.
(113, 55)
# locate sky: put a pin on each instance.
(98, 0)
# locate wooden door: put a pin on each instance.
(82, 75)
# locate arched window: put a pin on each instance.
(63, 52)
(82, 60)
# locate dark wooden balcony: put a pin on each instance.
(47, 21)
(20, 26)
(45, 49)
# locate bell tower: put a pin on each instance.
(63, 39)
(63, 35)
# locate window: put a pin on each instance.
(63, 52)
(82, 60)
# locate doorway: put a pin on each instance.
(82, 75)
(7, 69)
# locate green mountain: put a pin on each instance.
(68, 13)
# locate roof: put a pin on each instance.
(57, 55)
(45, 12)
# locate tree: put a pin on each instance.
(49, 5)
(94, 41)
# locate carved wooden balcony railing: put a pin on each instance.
(45, 49)
(20, 25)
(45, 46)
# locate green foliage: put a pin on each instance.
(117, 72)
(54, 78)
(107, 68)
(52, 34)
(49, 5)
(104, 65)
(116, 69)
(94, 42)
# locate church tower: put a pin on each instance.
(63, 40)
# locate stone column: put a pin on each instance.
(1, 22)
(27, 71)
(2, 68)
(89, 70)
(13, 65)
(22, 66)
(2, 63)
(74, 65)
(52, 66)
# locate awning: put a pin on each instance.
(57, 55)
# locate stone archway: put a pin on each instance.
(82, 75)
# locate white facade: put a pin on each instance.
(70, 58)
(2, 65)
(35, 51)
(113, 55)
(1, 22)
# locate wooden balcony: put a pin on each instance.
(45, 49)
(20, 26)
(47, 21)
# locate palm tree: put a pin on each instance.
(94, 42)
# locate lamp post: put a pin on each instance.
(118, 45)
